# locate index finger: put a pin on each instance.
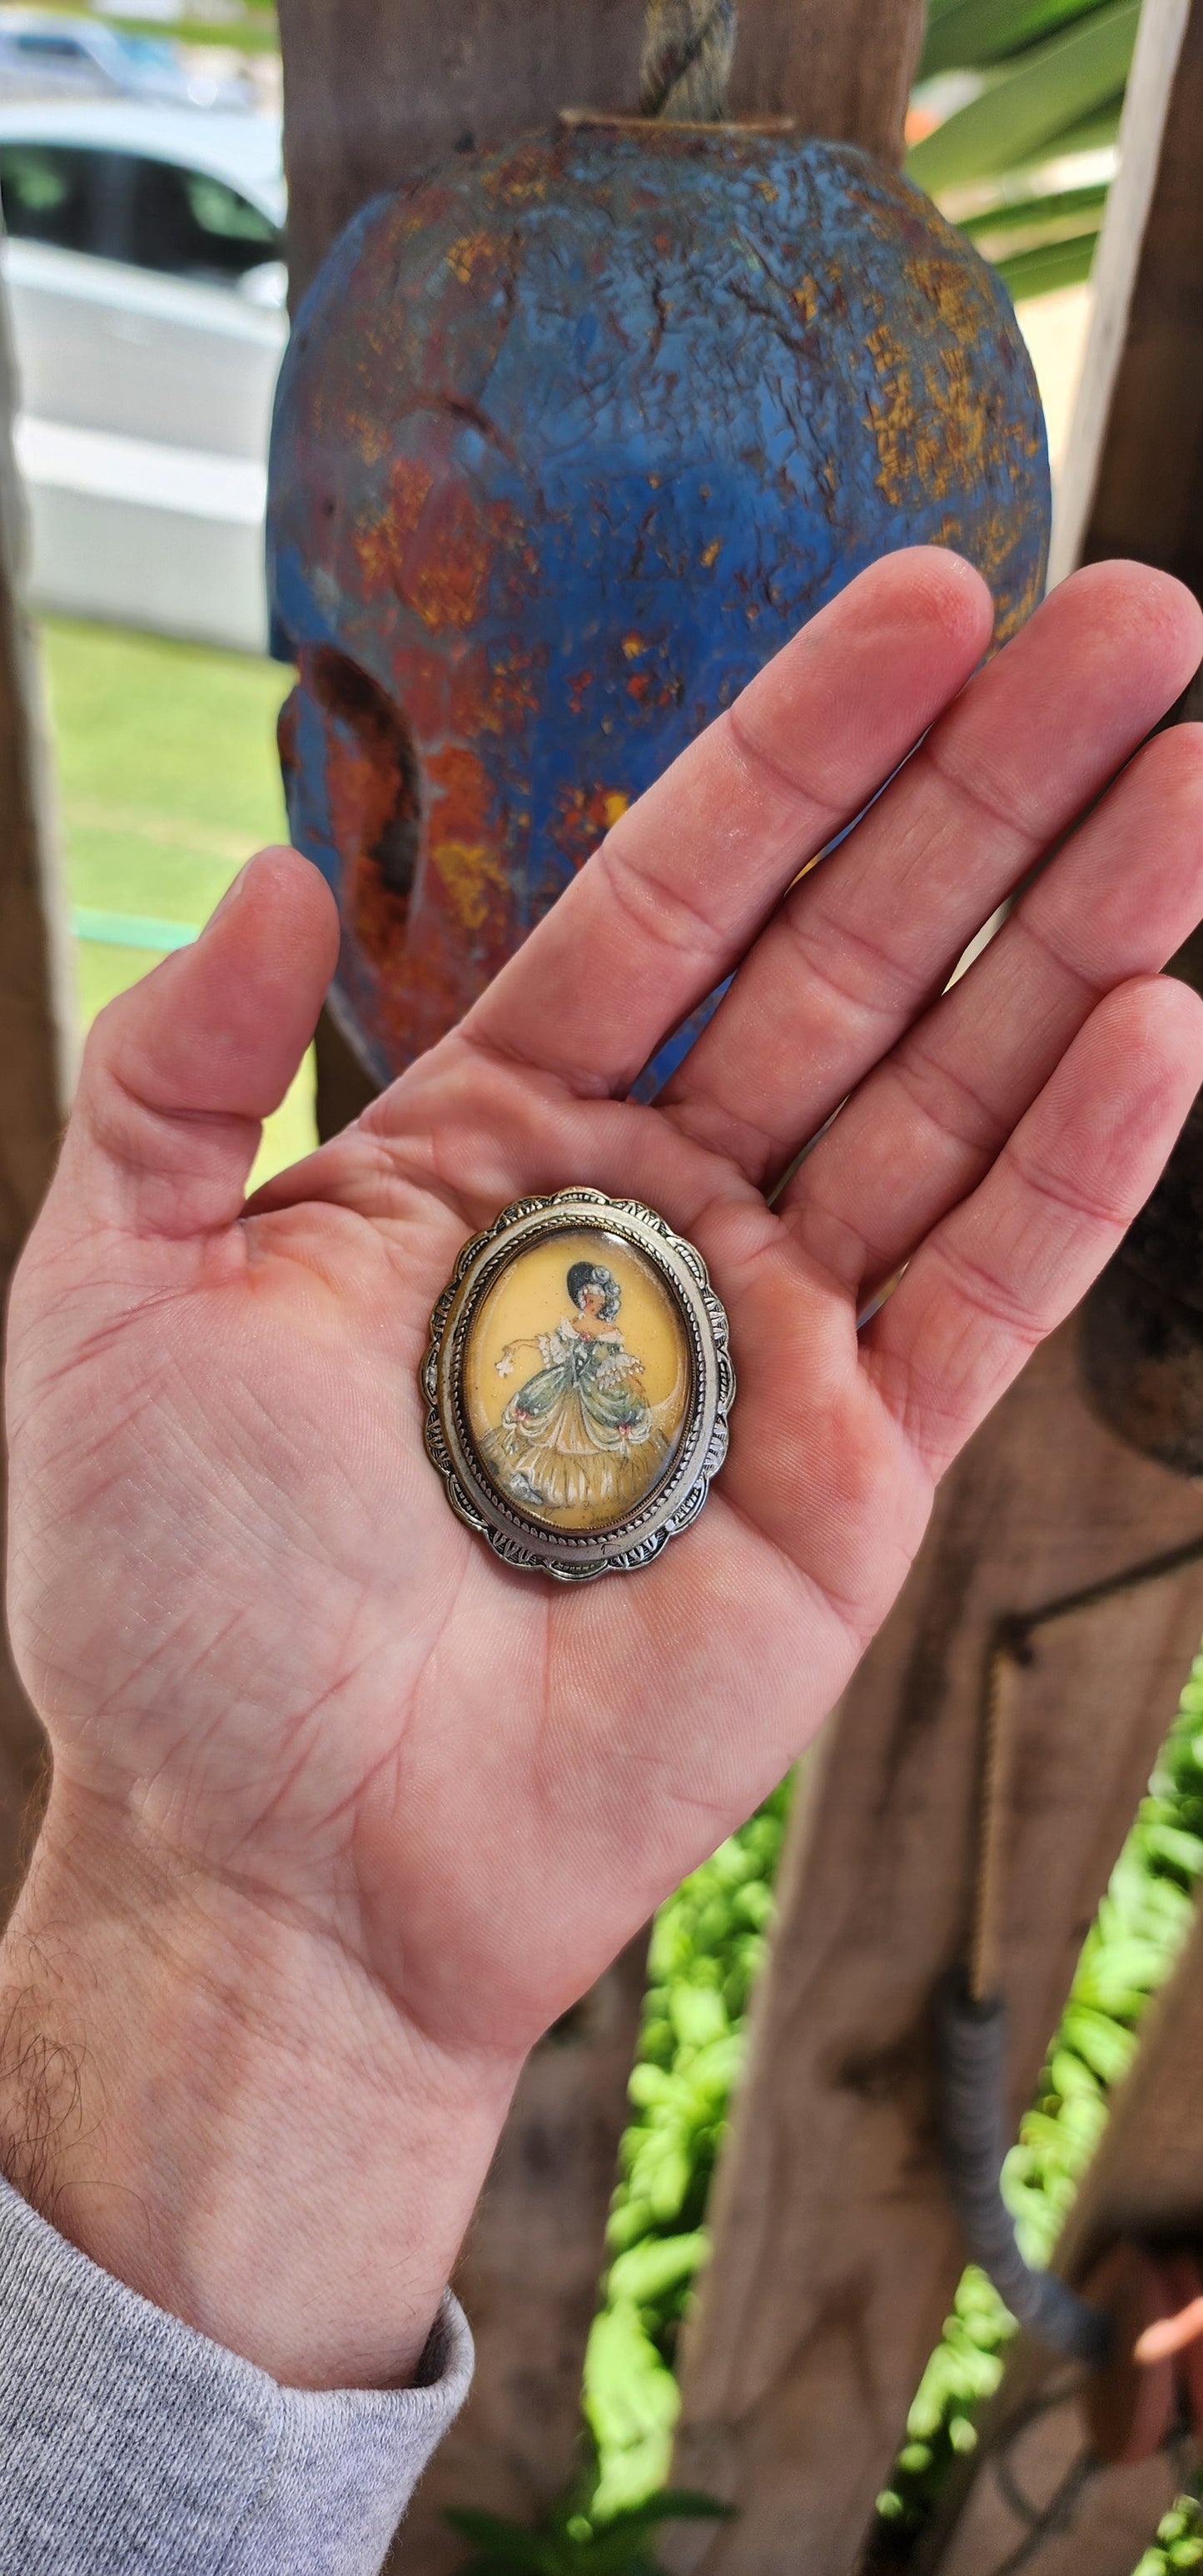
(678, 890)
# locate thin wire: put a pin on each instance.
(1057, 2515)
(1011, 1646)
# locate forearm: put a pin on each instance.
(225, 2111)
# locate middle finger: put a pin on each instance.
(866, 941)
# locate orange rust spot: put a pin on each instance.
(377, 547)
(422, 688)
(469, 253)
(461, 793)
(711, 553)
(471, 875)
(409, 485)
(521, 180)
(370, 437)
(584, 817)
(493, 693)
(461, 842)
(447, 582)
(805, 297)
(764, 188)
(378, 916)
(633, 645)
(373, 551)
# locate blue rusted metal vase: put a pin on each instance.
(569, 438)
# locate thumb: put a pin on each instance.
(179, 1073)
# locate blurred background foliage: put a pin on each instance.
(707, 1946)
(1013, 127)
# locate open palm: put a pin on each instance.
(240, 1602)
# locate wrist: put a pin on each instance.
(228, 2112)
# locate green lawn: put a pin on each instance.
(167, 780)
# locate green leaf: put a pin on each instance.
(699, 2015)
(659, 2264)
(1028, 108)
(964, 33)
(1103, 2044)
(1025, 214)
(1088, 134)
(670, 2504)
(1030, 274)
(507, 2544)
(1183, 1851)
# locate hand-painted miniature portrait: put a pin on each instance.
(577, 1380)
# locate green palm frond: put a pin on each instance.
(1027, 110)
(1045, 82)
(961, 34)
(1038, 243)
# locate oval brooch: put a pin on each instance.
(579, 1382)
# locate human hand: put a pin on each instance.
(344, 1812)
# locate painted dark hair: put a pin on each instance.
(590, 1274)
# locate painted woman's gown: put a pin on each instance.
(580, 1433)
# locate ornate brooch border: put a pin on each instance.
(579, 1556)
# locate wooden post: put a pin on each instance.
(844, 71)
(373, 92)
(529, 2274)
(36, 1020)
(836, 2251)
(1133, 477)
(1133, 484)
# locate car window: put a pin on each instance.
(194, 225)
(57, 48)
(49, 194)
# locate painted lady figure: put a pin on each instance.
(581, 1432)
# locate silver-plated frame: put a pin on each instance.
(578, 1556)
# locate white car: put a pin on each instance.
(46, 55)
(144, 263)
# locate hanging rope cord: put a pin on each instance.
(972, 2025)
(688, 50)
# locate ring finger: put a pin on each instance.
(927, 1124)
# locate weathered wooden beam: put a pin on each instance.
(529, 2274)
(373, 93)
(1029, 2465)
(1132, 481)
(844, 71)
(836, 2251)
(1133, 485)
(36, 1016)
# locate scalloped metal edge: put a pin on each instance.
(503, 1542)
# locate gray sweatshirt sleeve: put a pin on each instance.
(132, 2446)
